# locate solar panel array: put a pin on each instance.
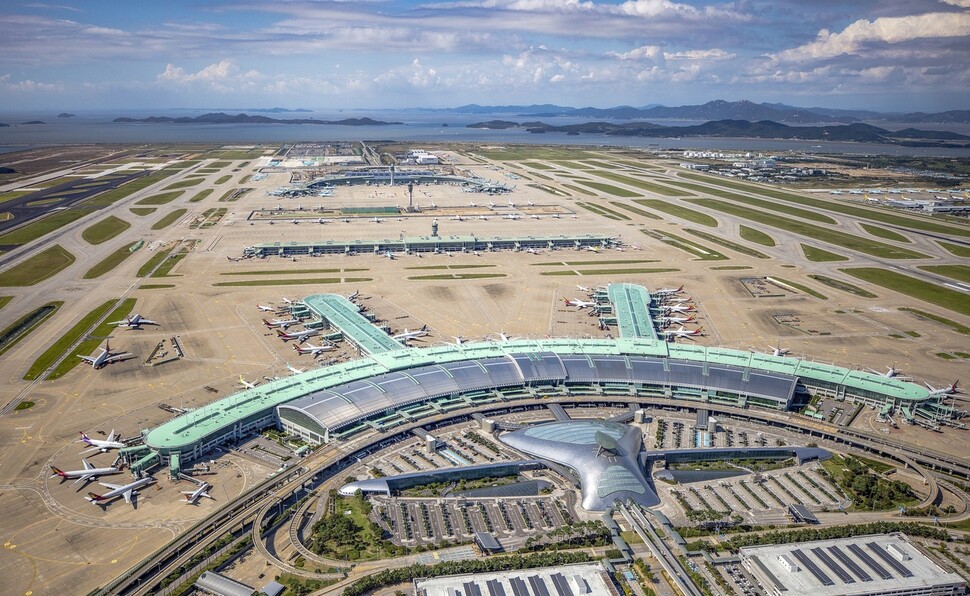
(889, 559)
(865, 558)
(495, 588)
(813, 568)
(832, 565)
(852, 565)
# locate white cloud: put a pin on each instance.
(961, 3)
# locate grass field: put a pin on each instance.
(957, 272)
(658, 189)
(456, 276)
(293, 271)
(832, 236)
(626, 271)
(916, 288)
(730, 267)
(97, 337)
(183, 184)
(579, 189)
(879, 215)
(530, 153)
(802, 288)
(680, 211)
(165, 197)
(745, 250)
(955, 249)
(603, 211)
(585, 263)
(104, 230)
(223, 179)
(22, 327)
(112, 196)
(155, 286)
(700, 251)
(842, 285)
(941, 320)
(818, 255)
(4, 300)
(880, 232)
(67, 340)
(38, 267)
(110, 262)
(42, 227)
(609, 189)
(291, 282)
(202, 194)
(763, 204)
(426, 267)
(756, 236)
(168, 219)
(142, 211)
(636, 210)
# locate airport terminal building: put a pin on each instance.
(393, 385)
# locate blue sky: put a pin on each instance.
(901, 55)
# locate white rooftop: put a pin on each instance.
(579, 579)
(846, 566)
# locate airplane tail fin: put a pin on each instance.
(58, 472)
(298, 349)
(680, 289)
(84, 438)
(94, 498)
(424, 327)
(267, 323)
(280, 333)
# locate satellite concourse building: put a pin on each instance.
(874, 565)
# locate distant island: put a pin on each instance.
(34, 122)
(720, 110)
(223, 118)
(3, 125)
(764, 129)
(65, 115)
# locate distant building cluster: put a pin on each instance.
(420, 157)
(748, 166)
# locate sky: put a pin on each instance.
(899, 55)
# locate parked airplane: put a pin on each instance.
(134, 322)
(584, 289)
(88, 474)
(235, 259)
(948, 390)
(778, 351)
(406, 334)
(287, 300)
(126, 490)
(266, 308)
(284, 323)
(667, 320)
(376, 220)
(294, 369)
(354, 295)
(682, 332)
(106, 356)
(580, 304)
(667, 291)
(389, 255)
(891, 372)
(101, 444)
(678, 308)
(192, 496)
(247, 384)
(314, 350)
(510, 216)
(297, 335)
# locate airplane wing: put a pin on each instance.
(87, 359)
(83, 478)
(87, 464)
(147, 322)
(111, 486)
(117, 357)
(127, 494)
(89, 450)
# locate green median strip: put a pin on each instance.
(818, 255)
(110, 262)
(169, 219)
(627, 271)
(829, 235)
(756, 236)
(42, 227)
(658, 189)
(801, 287)
(292, 271)
(955, 249)
(202, 194)
(671, 208)
(183, 184)
(96, 338)
(585, 263)
(104, 230)
(745, 250)
(291, 282)
(223, 179)
(609, 189)
(38, 267)
(633, 209)
(22, 327)
(4, 300)
(142, 211)
(703, 253)
(763, 204)
(885, 234)
(60, 346)
(456, 276)
(843, 285)
(959, 328)
(161, 199)
(578, 189)
(451, 267)
(155, 286)
(921, 290)
(873, 214)
(600, 210)
(957, 272)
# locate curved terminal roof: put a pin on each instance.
(345, 316)
(605, 475)
(631, 305)
(619, 360)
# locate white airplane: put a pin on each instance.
(458, 218)
(667, 291)
(483, 217)
(297, 335)
(458, 340)
(192, 496)
(314, 350)
(284, 323)
(682, 332)
(504, 337)
(389, 255)
(287, 300)
(778, 350)
(101, 444)
(134, 322)
(126, 490)
(406, 334)
(580, 304)
(246, 384)
(891, 372)
(584, 289)
(512, 216)
(106, 356)
(266, 308)
(354, 295)
(593, 248)
(668, 300)
(678, 308)
(294, 369)
(948, 390)
(667, 320)
(533, 251)
(376, 219)
(235, 259)
(88, 474)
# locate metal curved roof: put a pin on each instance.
(604, 475)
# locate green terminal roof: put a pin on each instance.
(418, 241)
(187, 429)
(345, 316)
(631, 304)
